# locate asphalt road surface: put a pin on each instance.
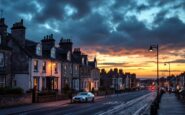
(122, 104)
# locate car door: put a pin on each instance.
(90, 97)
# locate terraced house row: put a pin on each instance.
(45, 64)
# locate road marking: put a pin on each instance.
(125, 105)
(140, 109)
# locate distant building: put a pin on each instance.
(117, 80)
(95, 75)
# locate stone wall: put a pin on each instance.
(13, 100)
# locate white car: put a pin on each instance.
(84, 97)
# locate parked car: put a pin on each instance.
(84, 97)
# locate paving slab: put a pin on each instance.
(170, 105)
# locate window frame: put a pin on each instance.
(35, 67)
(44, 67)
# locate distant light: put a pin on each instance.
(150, 49)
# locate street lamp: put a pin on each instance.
(169, 67)
(155, 46)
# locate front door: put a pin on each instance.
(49, 83)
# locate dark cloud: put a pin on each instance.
(168, 70)
(113, 64)
(113, 25)
(178, 61)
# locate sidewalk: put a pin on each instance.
(170, 105)
(37, 106)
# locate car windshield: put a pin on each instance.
(83, 93)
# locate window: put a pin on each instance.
(65, 67)
(56, 68)
(2, 81)
(53, 50)
(43, 83)
(0, 39)
(1, 59)
(35, 65)
(76, 67)
(44, 67)
(69, 56)
(55, 83)
(87, 62)
(39, 50)
(82, 61)
(36, 82)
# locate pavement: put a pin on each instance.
(170, 105)
(131, 103)
(37, 106)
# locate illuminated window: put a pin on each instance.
(36, 65)
(36, 82)
(44, 66)
(55, 83)
(56, 68)
(53, 54)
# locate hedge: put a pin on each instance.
(9, 90)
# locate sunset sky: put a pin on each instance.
(117, 32)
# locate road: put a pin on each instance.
(122, 104)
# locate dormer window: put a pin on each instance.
(39, 50)
(53, 52)
(69, 56)
(83, 61)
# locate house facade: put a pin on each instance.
(43, 65)
(5, 56)
(26, 64)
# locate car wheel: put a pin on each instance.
(86, 100)
(93, 100)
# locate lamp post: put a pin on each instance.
(169, 67)
(155, 46)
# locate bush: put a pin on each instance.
(102, 88)
(10, 91)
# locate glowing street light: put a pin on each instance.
(151, 48)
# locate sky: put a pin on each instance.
(117, 32)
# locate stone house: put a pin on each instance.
(5, 56)
(30, 66)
